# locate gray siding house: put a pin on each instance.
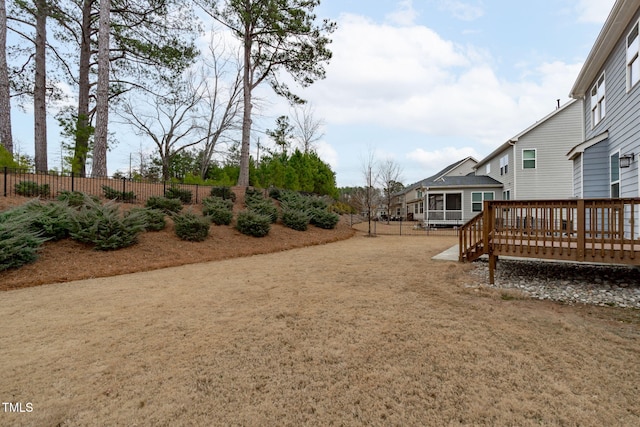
(532, 165)
(450, 197)
(605, 163)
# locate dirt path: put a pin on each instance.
(366, 331)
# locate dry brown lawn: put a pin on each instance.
(363, 331)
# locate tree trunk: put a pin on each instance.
(40, 89)
(243, 177)
(6, 137)
(102, 95)
(82, 124)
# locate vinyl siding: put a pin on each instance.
(577, 177)
(595, 164)
(622, 119)
(507, 179)
(553, 176)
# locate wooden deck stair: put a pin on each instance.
(581, 230)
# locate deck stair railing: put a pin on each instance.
(583, 230)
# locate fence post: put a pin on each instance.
(72, 181)
(124, 188)
(6, 169)
(164, 188)
(197, 189)
(401, 226)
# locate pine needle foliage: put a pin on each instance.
(105, 226)
(19, 243)
(253, 224)
(168, 206)
(191, 227)
(219, 211)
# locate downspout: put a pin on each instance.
(512, 142)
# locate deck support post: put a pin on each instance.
(581, 214)
(492, 267)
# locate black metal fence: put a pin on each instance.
(17, 182)
(402, 228)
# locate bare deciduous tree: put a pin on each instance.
(390, 177)
(369, 195)
(307, 129)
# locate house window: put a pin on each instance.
(436, 202)
(421, 207)
(529, 159)
(477, 198)
(454, 201)
(633, 63)
(488, 169)
(598, 103)
(504, 164)
(419, 194)
(506, 195)
(615, 175)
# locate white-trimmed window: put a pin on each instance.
(633, 61)
(614, 175)
(487, 169)
(598, 101)
(506, 195)
(504, 164)
(529, 158)
(478, 197)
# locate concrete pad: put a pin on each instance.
(450, 254)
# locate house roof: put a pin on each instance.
(464, 181)
(515, 139)
(579, 149)
(621, 14)
(440, 174)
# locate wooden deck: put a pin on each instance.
(580, 230)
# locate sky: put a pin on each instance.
(422, 82)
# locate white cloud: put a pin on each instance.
(463, 10)
(594, 11)
(412, 79)
(328, 154)
(438, 159)
(405, 15)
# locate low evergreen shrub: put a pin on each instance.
(218, 210)
(253, 224)
(178, 193)
(324, 219)
(51, 220)
(276, 193)
(74, 199)
(266, 208)
(191, 227)
(223, 192)
(18, 244)
(164, 204)
(113, 194)
(105, 226)
(295, 219)
(154, 218)
(32, 189)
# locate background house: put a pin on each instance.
(605, 162)
(533, 164)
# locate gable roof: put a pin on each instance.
(621, 14)
(442, 173)
(464, 181)
(514, 140)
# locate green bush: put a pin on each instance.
(191, 227)
(218, 210)
(154, 218)
(276, 193)
(164, 204)
(74, 199)
(51, 220)
(253, 224)
(324, 219)
(178, 193)
(113, 194)
(32, 189)
(295, 219)
(105, 227)
(223, 192)
(18, 243)
(266, 208)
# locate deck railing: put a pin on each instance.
(584, 230)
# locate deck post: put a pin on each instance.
(581, 213)
(487, 221)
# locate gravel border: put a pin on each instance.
(571, 283)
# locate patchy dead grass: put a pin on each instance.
(357, 332)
